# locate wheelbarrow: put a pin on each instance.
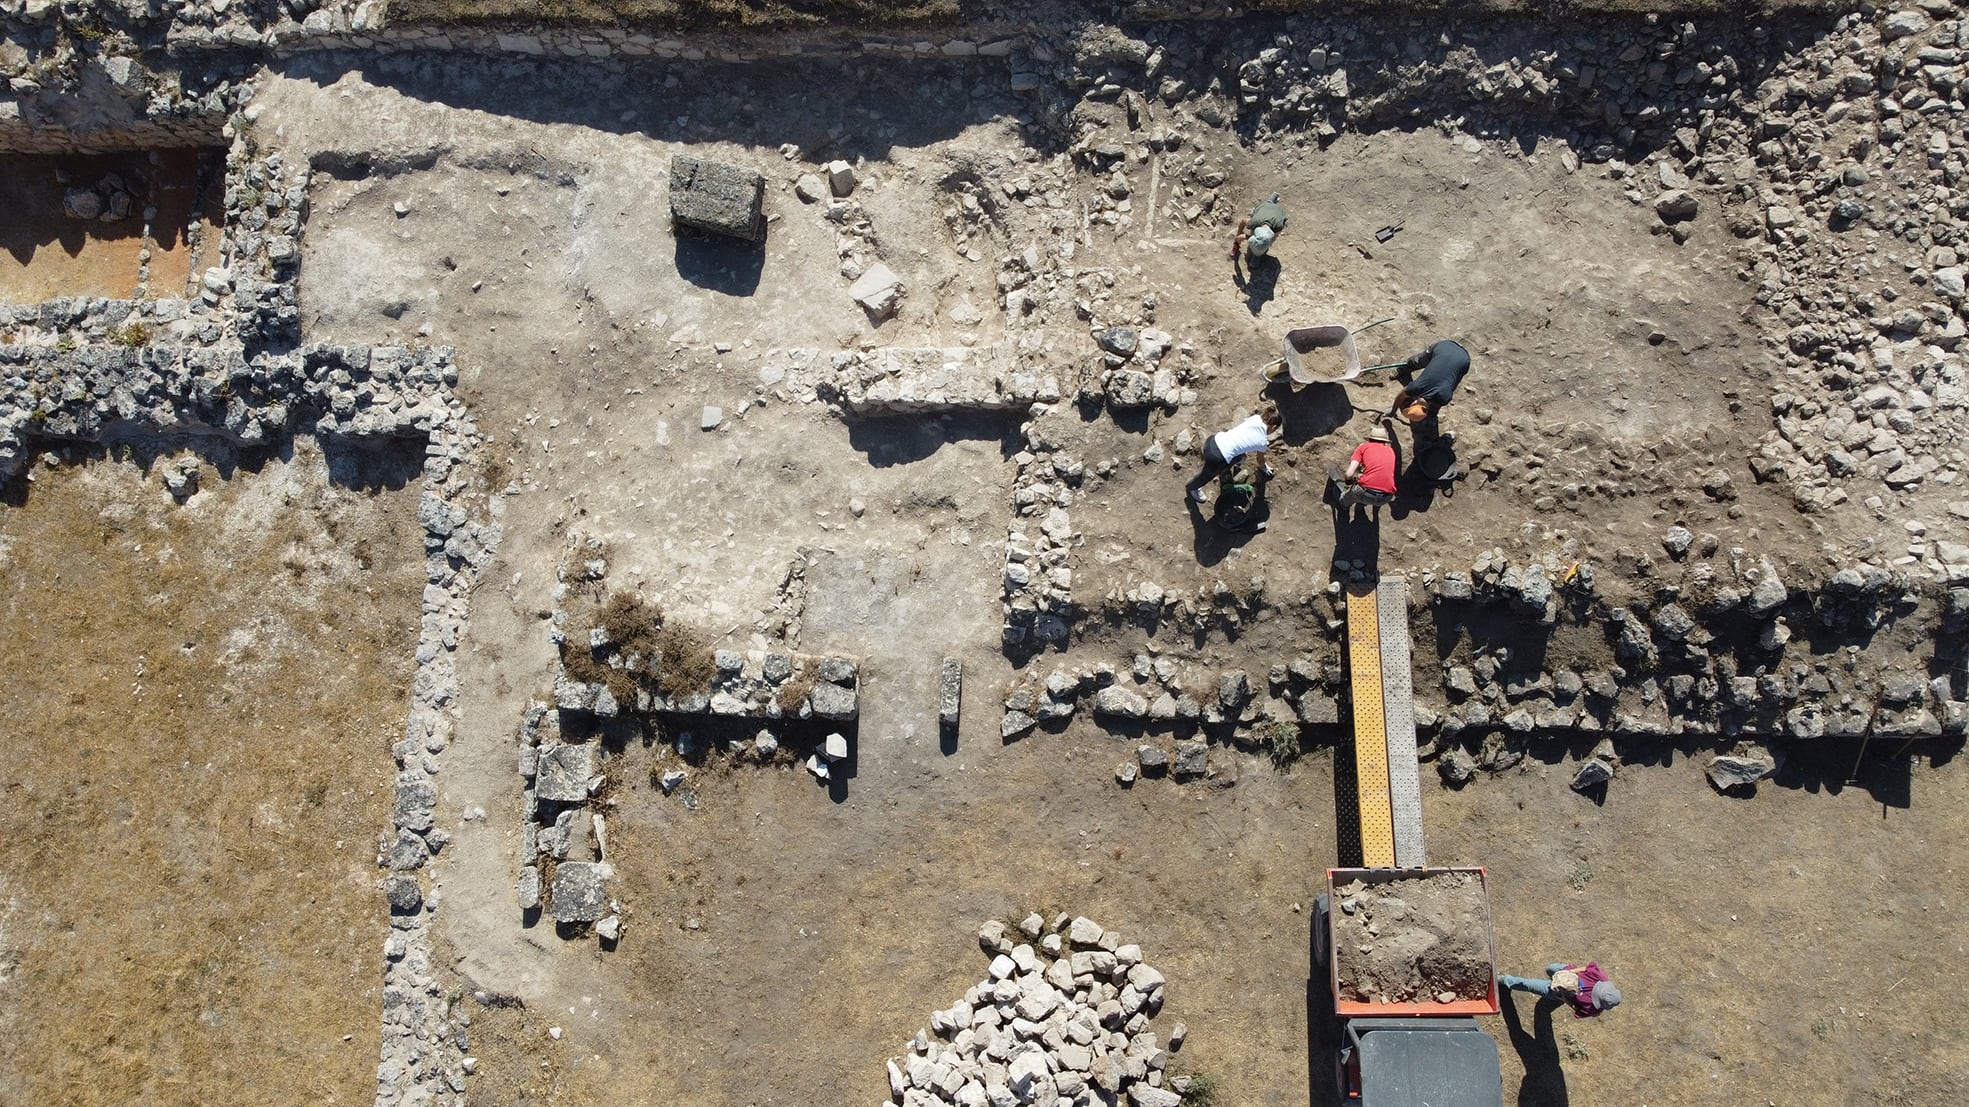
(1304, 340)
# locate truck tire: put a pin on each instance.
(1322, 931)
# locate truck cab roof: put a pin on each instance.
(1419, 1062)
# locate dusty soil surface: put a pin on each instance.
(781, 944)
(49, 255)
(1412, 941)
(850, 916)
(1772, 948)
(574, 267)
(782, 938)
(198, 764)
(507, 210)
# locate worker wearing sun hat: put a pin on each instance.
(1256, 232)
(1587, 988)
(1370, 476)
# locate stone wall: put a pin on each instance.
(1710, 645)
(222, 370)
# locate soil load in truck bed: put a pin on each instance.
(1413, 940)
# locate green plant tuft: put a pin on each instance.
(1202, 1091)
(1280, 739)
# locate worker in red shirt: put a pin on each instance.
(1370, 476)
(1586, 987)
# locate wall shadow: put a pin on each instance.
(178, 183)
(872, 105)
(890, 440)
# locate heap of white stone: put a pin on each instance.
(1061, 1020)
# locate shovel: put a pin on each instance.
(1388, 232)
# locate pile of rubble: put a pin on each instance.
(355, 392)
(109, 200)
(1061, 1017)
(1038, 598)
(1131, 376)
(1154, 689)
(908, 380)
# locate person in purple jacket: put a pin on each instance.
(1586, 987)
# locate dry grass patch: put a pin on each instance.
(679, 654)
(198, 769)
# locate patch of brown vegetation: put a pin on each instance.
(683, 660)
(794, 693)
(676, 657)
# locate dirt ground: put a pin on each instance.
(1550, 277)
(198, 767)
(771, 912)
(782, 938)
(49, 255)
(1770, 949)
(818, 928)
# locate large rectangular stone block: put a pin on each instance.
(578, 895)
(562, 772)
(718, 198)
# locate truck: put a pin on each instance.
(1423, 1052)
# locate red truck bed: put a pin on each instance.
(1356, 1008)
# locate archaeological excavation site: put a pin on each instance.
(942, 553)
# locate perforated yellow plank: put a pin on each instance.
(1370, 730)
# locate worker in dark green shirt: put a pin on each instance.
(1429, 380)
(1256, 232)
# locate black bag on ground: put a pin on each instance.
(1241, 506)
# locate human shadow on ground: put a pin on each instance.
(1544, 1083)
(1260, 285)
(1211, 542)
(725, 265)
(1310, 411)
(1432, 469)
